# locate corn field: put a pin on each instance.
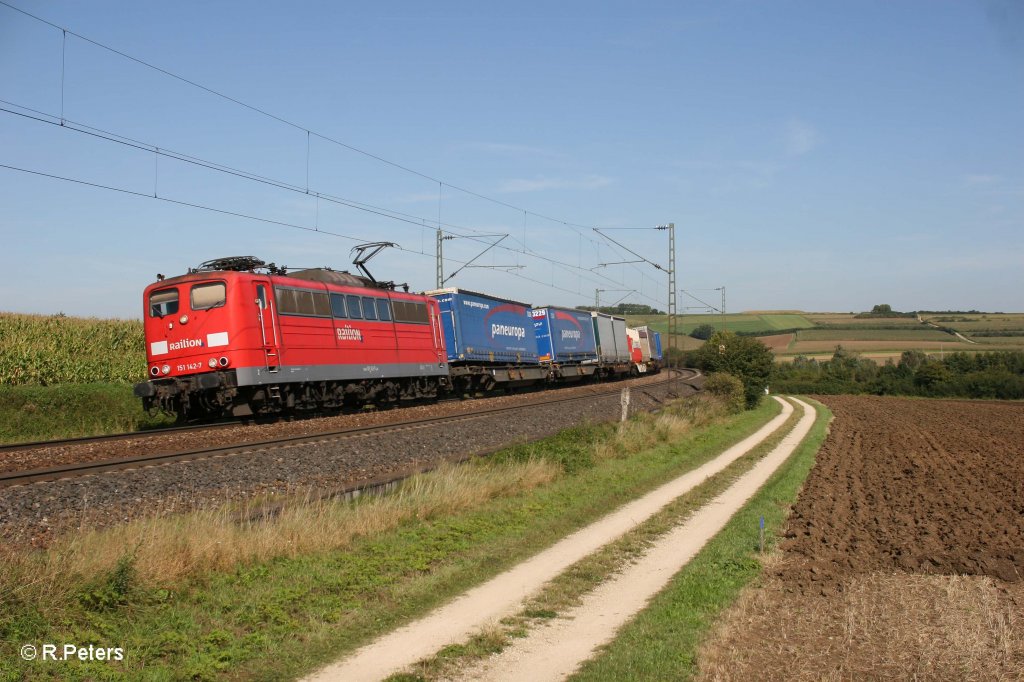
(46, 350)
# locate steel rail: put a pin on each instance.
(187, 428)
(128, 435)
(15, 478)
(380, 485)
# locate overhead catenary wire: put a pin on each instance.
(45, 117)
(309, 134)
(238, 214)
(264, 112)
(417, 221)
(63, 57)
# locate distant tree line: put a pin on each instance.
(997, 374)
(624, 309)
(883, 310)
(957, 312)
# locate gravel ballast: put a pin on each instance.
(35, 513)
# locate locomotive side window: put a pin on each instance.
(355, 311)
(338, 305)
(286, 301)
(383, 310)
(210, 295)
(163, 302)
(303, 302)
(369, 309)
(411, 312)
(261, 296)
(321, 304)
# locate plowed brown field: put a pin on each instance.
(903, 556)
(925, 486)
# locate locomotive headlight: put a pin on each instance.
(166, 369)
(183, 319)
(154, 370)
(223, 361)
(212, 363)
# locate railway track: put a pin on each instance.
(78, 469)
(113, 437)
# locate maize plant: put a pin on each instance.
(55, 349)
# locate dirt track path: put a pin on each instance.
(504, 594)
(555, 651)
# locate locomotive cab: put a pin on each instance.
(199, 327)
(185, 322)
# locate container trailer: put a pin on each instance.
(656, 355)
(610, 334)
(565, 341)
(489, 340)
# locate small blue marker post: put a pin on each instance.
(760, 542)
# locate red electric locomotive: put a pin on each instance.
(235, 337)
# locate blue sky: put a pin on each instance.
(813, 155)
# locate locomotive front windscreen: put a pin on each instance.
(208, 295)
(163, 302)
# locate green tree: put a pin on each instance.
(882, 309)
(912, 359)
(930, 373)
(744, 357)
(702, 332)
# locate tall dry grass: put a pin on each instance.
(165, 550)
(162, 550)
(647, 430)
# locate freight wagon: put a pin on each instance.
(644, 336)
(613, 346)
(565, 341)
(657, 358)
(640, 350)
(490, 341)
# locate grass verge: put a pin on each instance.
(30, 413)
(662, 641)
(281, 613)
